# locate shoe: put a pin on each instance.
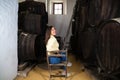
(68, 74)
(69, 64)
(64, 73)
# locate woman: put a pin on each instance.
(50, 40)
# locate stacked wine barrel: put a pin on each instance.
(96, 47)
(32, 20)
(108, 52)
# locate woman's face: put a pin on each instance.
(53, 31)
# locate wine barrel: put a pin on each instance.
(99, 10)
(31, 47)
(108, 49)
(86, 46)
(32, 7)
(32, 17)
(26, 47)
(32, 23)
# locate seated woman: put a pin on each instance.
(51, 42)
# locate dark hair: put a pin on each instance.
(48, 33)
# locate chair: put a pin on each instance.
(57, 59)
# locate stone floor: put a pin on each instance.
(41, 72)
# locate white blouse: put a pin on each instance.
(52, 44)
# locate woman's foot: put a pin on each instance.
(64, 73)
(69, 64)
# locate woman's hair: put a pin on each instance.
(48, 33)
